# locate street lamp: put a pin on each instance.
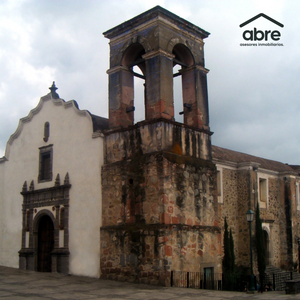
(250, 215)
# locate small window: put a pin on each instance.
(219, 186)
(263, 192)
(46, 131)
(45, 168)
(219, 183)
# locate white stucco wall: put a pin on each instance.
(75, 152)
(2, 168)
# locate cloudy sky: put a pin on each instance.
(253, 91)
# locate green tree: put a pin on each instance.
(260, 248)
(227, 252)
(229, 282)
(232, 256)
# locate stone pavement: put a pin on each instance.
(18, 284)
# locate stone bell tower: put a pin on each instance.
(159, 197)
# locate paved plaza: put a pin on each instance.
(17, 284)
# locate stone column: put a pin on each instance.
(23, 227)
(56, 227)
(194, 94)
(66, 227)
(31, 228)
(22, 256)
(121, 95)
(159, 85)
(53, 263)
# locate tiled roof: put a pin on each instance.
(238, 157)
(99, 123)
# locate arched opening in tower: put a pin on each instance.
(139, 95)
(177, 94)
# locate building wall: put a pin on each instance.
(273, 219)
(2, 221)
(236, 200)
(279, 214)
(295, 208)
(75, 152)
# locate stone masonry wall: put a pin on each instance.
(295, 221)
(235, 204)
(279, 217)
(148, 137)
(148, 255)
(159, 214)
(273, 215)
(245, 202)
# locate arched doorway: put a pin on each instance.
(45, 244)
(266, 244)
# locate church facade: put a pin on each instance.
(85, 195)
(50, 190)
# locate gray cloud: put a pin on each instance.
(252, 91)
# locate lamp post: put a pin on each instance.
(250, 215)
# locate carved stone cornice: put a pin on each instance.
(52, 196)
(158, 52)
(117, 69)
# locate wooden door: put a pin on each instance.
(45, 244)
(209, 278)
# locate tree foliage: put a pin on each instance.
(229, 276)
(232, 262)
(227, 251)
(229, 257)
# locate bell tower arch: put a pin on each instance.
(155, 41)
